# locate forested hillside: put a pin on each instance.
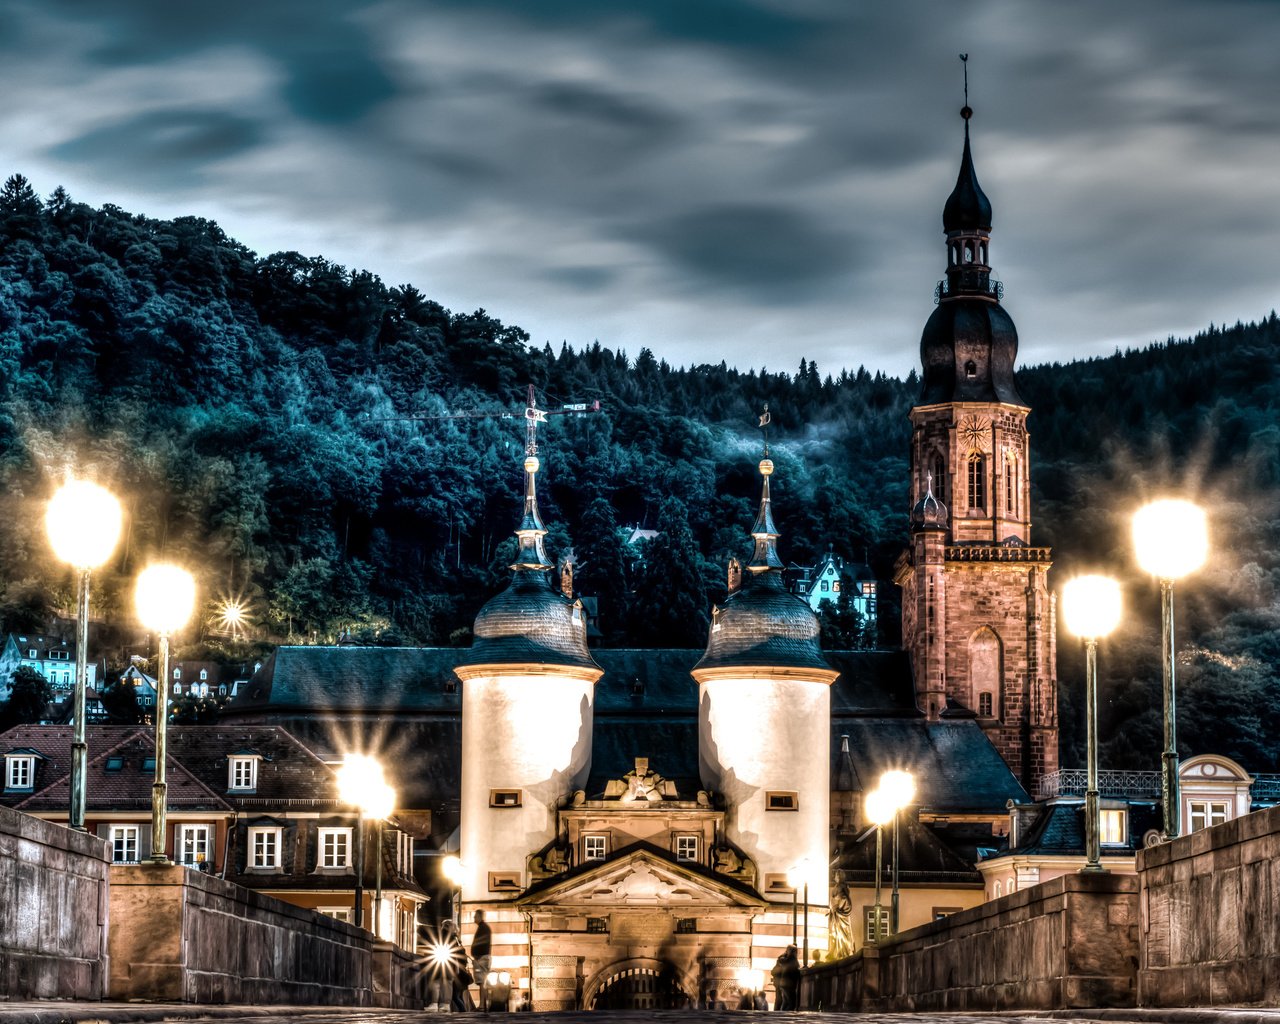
(252, 413)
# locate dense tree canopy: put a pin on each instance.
(310, 442)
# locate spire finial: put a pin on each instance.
(764, 532)
(966, 111)
(765, 419)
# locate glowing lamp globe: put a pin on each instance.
(359, 778)
(165, 596)
(453, 869)
(1170, 538)
(379, 802)
(800, 874)
(878, 806)
(901, 787)
(1091, 606)
(83, 522)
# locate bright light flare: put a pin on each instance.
(750, 981)
(441, 954)
(363, 784)
(801, 874)
(878, 806)
(83, 522)
(901, 787)
(1091, 606)
(232, 617)
(1170, 538)
(453, 869)
(165, 596)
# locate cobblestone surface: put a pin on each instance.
(154, 1013)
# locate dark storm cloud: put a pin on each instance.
(690, 175)
(162, 145)
(754, 250)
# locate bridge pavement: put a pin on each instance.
(162, 1013)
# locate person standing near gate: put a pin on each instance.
(786, 980)
(482, 958)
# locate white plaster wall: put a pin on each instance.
(760, 735)
(531, 733)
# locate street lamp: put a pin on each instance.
(454, 872)
(83, 523)
(1091, 607)
(363, 785)
(901, 788)
(797, 877)
(878, 807)
(1171, 539)
(165, 596)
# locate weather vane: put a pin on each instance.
(967, 111)
(765, 419)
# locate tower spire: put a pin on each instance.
(532, 555)
(765, 555)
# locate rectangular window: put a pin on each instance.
(687, 848)
(984, 705)
(686, 925)
(337, 913)
(940, 912)
(597, 925)
(1112, 831)
(776, 882)
(504, 881)
(594, 847)
(504, 798)
(21, 773)
(264, 847)
(835, 585)
(782, 801)
(193, 844)
(335, 847)
(869, 924)
(243, 773)
(826, 585)
(124, 844)
(1207, 813)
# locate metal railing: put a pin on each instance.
(1265, 787)
(994, 289)
(1138, 785)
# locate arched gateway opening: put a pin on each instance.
(653, 985)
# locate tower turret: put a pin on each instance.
(528, 688)
(764, 721)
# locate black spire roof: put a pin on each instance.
(968, 208)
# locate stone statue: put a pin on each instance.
(642, 783)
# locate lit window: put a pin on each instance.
(337, 913)
(21, 773)
(203, 675)
(597, 925)
(264, 847)
(1207, 813)
(243, 774)
(977, 482)
(335, 847)
(835, 585)
(687, 848)
(177, 673)
(869, 922)
(124, 844)
(33, 653)
(193, 844)
(1012, 887)
(177, 689)
(1010, 483)
(984, 705)
(999, 890)
(594, 847)
(1112, 831)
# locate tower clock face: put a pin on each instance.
(974, 432)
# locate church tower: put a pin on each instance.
(977, 614)
(764, 727)
(528, 689)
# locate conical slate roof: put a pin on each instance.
(968, 208)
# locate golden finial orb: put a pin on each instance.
(766, 467)
(531, 464)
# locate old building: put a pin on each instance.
(53, 657)
(977, 612)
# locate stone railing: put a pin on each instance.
(53, 910)
(1068, 943)
(1211, 917)
(996, 553)
(182, 936)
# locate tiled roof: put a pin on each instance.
(671, 745)
(1059, 829)
(955, 766)
(923, 857)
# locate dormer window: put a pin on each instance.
(177, 673)
(20, 772)
(204, 674)
(242, 773)
(1113, 830)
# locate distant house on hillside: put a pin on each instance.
(53, 657)
(823, 582)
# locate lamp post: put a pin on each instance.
(878, 807)
(83, 523)
(382, 801)
(1091, 607)
(361, 783)
(901, 789)
(454, 871)
(797, 877)
(164, 596)
(1171, 539)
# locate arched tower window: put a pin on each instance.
(985, 672)
(1010, 484)
(978, 481)
(938, 467)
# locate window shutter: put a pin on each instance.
(144, 842)
(103, 831)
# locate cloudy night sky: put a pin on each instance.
(713, 179)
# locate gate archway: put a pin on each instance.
(637, 985)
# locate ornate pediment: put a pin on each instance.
(643, 878)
